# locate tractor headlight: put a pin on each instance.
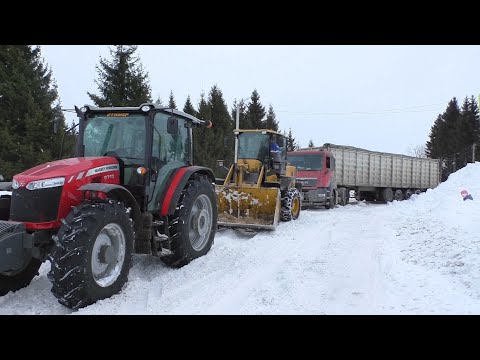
(47, 183)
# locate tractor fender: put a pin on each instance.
(175, 185)
(119, 193)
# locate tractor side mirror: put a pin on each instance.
(172, 125)
(55, 126)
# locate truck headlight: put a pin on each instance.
(47, 183)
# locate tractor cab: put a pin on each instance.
(148, 142)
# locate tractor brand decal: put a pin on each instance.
(80, 175)
(118, 114)
(102, 169)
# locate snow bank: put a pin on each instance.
(439, 230)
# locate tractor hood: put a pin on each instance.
(70, 169)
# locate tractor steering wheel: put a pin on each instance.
(119, 152)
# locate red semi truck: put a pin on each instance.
(329, 173)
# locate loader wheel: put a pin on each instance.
(16, 280)
(92, 254)
(194, 223)
(291, 206)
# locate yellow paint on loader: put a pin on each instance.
(248, 207)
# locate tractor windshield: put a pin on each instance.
(119, 136)
(253, 145)
(306, 161)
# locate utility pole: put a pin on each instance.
(473, 152)
(237, 126)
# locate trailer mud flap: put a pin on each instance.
(248, 207)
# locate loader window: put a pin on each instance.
(253, 146)
(306, 161)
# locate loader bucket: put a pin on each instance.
(248, 207)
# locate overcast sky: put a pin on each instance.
(382, 98)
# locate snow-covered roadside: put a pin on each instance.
(412, 257)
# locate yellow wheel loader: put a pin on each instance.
(259, 189)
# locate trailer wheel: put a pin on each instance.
(92, 254)
(387, 194)
(291, 205)
(399, 195)
(194, 223)
(16, 280)
(408, 194)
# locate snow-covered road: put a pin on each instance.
(413, 257)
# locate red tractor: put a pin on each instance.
(131, 188)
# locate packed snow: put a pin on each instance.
(420, 256)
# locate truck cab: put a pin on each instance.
(316, 174)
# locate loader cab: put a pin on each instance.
(257, 148)
(149, 143)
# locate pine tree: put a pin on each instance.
(243, 121)
(200, 142)
(445, 139)
(188, 107)
(122, 80)
(435, 149)
(469, 126)
(220, 138)
(255, 113)
(159, 101)
(291, 143)
(28, 108)
(171, 101)
(310, 143)
(271, 121)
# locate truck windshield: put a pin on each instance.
(253, 145)
(306, 161)
(123, 137)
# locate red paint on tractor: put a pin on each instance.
(77, 172)
(171, 190)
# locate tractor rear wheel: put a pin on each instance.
(291, 205)
(92, 254)
(194, 223)
(16, 280)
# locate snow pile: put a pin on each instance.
(440, 231)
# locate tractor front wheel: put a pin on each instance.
(92, 254)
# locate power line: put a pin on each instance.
(409, 109)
